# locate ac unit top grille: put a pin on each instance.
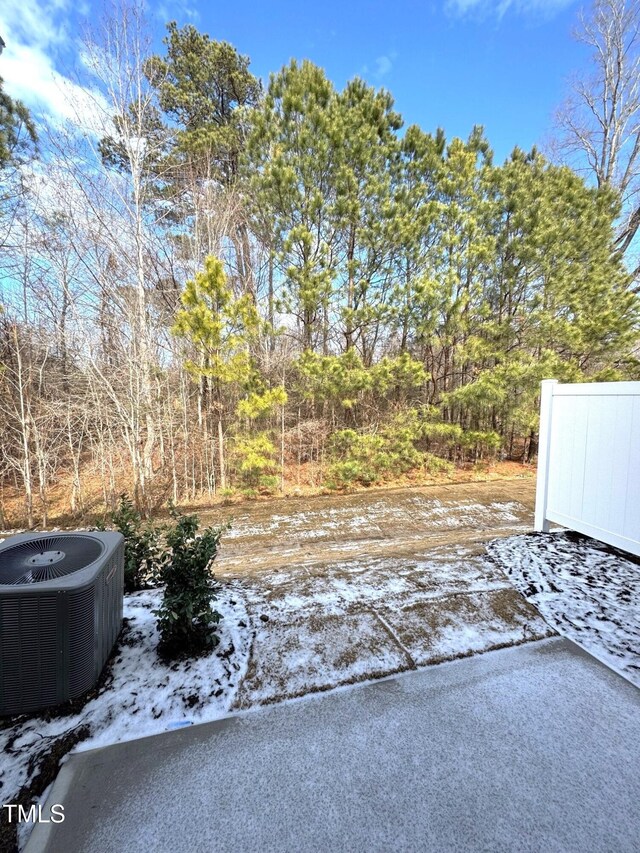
(47, 557)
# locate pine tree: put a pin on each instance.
(364, 125)
(18, 135)
(221, 329)
(203, 87)
(292, 171)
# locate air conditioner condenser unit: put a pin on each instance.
(61, 600)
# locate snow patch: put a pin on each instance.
(587, 591)
(142, 695)
(318, 523)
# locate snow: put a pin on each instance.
(300, 656)
(321, 626)
(142, 695)
(325, 616)
(325, 522)
(337, 587)
(587, 591)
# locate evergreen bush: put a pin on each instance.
(186, 619)
(366, 458)
(143, 551)
(257, 465)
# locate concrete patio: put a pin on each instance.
(525, 749)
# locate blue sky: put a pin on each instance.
(451, 64)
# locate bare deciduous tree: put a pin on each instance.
(600, 122)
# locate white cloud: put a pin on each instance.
(176, 10)
(383, 66)
(41, 24)
(30, 76)
(498, 8)
(37, 37)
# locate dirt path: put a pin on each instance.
(347, 588)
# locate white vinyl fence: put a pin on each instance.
(589, 461)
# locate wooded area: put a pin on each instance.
(204, 283)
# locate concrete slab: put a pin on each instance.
(525, 749)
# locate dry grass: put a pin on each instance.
(299, 481)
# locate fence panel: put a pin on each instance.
(589, 460)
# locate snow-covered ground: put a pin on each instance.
(589, 592)
(312, 597)
(285, 633)
(323, 521)
(142, 695)
(346, 621)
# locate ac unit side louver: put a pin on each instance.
(61, 598)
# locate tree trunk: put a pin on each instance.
(223, 479)
(25, 435)
(271, 307)
(348, 332)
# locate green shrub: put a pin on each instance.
(445, 435)
(438, 465)
(451, 438)
(227, 495)
(143, 551)
(366, 458)
(411, 439)
(342, 475)
(186, 618)
(268, 483)
(357, 459)
(257, 462)
(480, 443)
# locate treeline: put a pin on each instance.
(207, 285)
